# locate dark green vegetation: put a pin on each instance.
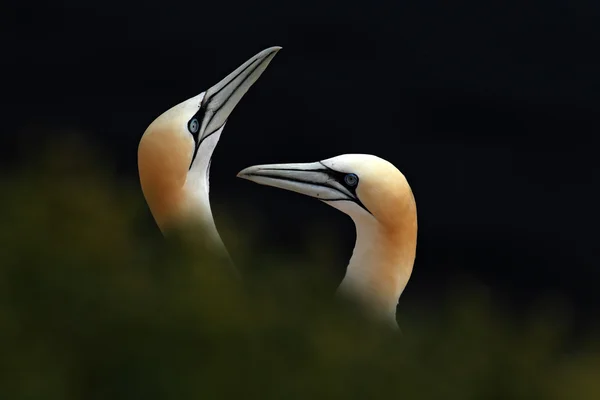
(94, 304)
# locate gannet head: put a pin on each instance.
(378, 198)
(175, 151)
(365, 187)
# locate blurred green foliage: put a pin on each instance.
(95, 304)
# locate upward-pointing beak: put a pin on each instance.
(220, 100)
(311, 179)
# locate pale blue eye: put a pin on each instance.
(351, 180)
(193, 126)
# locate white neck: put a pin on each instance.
(379, 269)
(196, 193)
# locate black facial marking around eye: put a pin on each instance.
(194, 122)
(343, 178)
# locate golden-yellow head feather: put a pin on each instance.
(164, 156)
(174, 153)
(377, 196)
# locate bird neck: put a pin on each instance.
(195, 204)
(380, 266)
(195, 208)
(193, 221)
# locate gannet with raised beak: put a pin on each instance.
(175, 152)
(378, 198)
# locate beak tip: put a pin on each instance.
(271, 52)
(246, 173)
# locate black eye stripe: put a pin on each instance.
(340, 177)
(198, 117)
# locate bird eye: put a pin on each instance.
(193, 125)
(351, 179)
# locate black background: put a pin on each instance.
(489, 108)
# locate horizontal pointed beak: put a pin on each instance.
(220, 100)
(311, 179)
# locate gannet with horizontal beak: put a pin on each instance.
(380, 201)
(174, 154)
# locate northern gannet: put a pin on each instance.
(175, 151)
(378, 198)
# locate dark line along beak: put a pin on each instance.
(220, 100)
(311, 179)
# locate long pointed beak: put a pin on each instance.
(311, 179)
(220, 100)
